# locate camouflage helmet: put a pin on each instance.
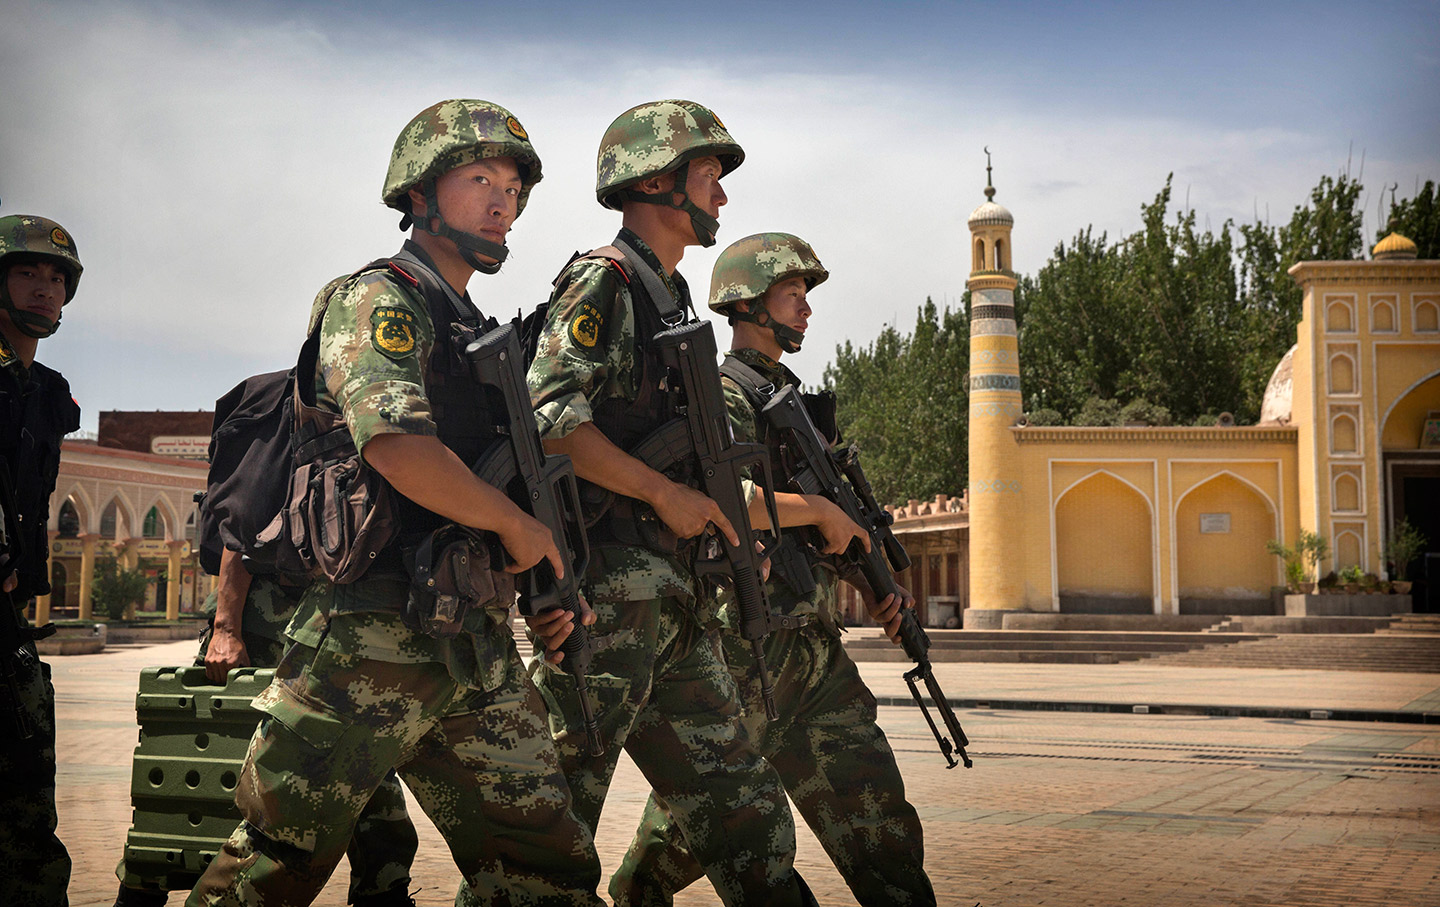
(27, 237)
(749, 267)
(656, 138)
(451, 134)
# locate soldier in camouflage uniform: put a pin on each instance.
(247, 620)
(361, 690)
(663, 693)
(834, 759)
(39, 270)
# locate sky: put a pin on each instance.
(217, 163)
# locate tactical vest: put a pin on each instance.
(759, 391)
(36, 412)
(461, 406)
(612, 520)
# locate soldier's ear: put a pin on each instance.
(654, 185)
(417, 202)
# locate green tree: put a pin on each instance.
(904, 399)
(1326, 229)
(116, 588)
(1418, 220)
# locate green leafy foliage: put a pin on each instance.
(116, 588)
(903, 399)
(1170, 325)
(1418, 220)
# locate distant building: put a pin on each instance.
(129, 496)
(1174, 520)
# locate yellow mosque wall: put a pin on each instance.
(1153, 520)
(1368, 377)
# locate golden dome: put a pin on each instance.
(1394, 246)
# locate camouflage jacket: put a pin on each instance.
(587, 354)
(375, 339)
(745, 423)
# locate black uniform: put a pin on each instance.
(36, 412)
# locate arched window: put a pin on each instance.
(153, 527)
(68, 522)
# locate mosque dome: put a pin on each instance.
(1275, 408)
(990, 214)
(1391, 247)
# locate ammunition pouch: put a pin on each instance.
(450, 573)
(339, 516)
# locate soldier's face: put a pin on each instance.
(703, 185)
(37, 287)
(481, 197)
(786, 303)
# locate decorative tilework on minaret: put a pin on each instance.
(995, 404)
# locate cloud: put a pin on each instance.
(217, 169)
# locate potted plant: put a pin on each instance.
(1294, 566)
(1313, 549)
(1350, 578)
(1406, 542)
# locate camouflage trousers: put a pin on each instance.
(383, 846)
(480, 764)
(836, 765)
(662, 693)
(34, 866)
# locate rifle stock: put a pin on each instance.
(837, 476)
(544, 487)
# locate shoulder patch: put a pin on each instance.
(392, 331)
(585, 325)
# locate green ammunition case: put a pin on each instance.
(193, 739)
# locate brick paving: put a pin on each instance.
(1061, 808)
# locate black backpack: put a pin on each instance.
(253, 451)
(251, 459)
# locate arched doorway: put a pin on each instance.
(1221, 564)
(1410, 443)
(1104, 548)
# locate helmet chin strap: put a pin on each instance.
(471, 246)
(705, 226)
(786, 337)
(27, 323)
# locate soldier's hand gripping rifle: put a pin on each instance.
(837, 476)
(544, 487)
(702, 430)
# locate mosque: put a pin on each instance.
(1175, 520)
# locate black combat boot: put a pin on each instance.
(395, 897)
(140, 897)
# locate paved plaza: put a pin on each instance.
(1191, 804)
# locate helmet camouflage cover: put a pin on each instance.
(655, 138)
(748, 267)
(40, 237)
(453, 133)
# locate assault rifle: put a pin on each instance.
(13, 635)
(543, 486)
(701, 429)
(837, 476)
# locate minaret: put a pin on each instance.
(996, 575)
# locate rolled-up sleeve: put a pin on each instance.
(586, 351)
(374, 342)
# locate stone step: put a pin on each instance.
(1371, 652)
